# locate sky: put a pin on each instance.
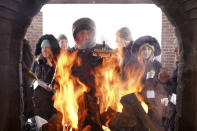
(142, 19)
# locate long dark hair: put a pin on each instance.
(53, 42)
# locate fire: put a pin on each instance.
(105, 128)
(68, 91)
(120, 56)
(143, 104)
(109, 83)
(110, 87)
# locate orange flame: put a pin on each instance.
(68, 91)
(143, 104)
(110, 87)
(105, 128)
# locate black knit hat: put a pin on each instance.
(81, 24)
(147, 39)
(53, 42)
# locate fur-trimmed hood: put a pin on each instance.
(147, 39)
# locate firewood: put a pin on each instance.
(131, 105)
(122, 121)
(107, 116)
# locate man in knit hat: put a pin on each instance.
(84, 31)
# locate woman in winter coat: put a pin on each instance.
(47, 50)
(146, 49)
(154, 92)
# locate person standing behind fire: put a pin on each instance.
(124, 42)
(47, 50)
(146, 49)
(123, 37)
(63, 42)
(84, 30)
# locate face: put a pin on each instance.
(119, 41)
(63, 44)
(146, 52)
(84, 38)
(47, 52)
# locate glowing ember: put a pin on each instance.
(68, 91)
(105, 128)
(143, 104)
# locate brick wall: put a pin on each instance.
(35, 30)
(167, 44)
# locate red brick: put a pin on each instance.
(35, 30)
(167, 44)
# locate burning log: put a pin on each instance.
(117, 121)
(132, 106)
(107, 116)
(122, 121)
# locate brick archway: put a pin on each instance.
(183, 16)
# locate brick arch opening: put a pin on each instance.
(16, 16)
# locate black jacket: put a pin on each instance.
(152, 66)
(43, 103)
(85, 73)
(158, 112)
(87, 67)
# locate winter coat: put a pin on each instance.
(87, 67)
(171, 109)
(154, 92)
(42, 98)
(85, 73)
(151, 66)
(154, 95)
(173, 83)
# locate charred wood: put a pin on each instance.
(131, 106)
